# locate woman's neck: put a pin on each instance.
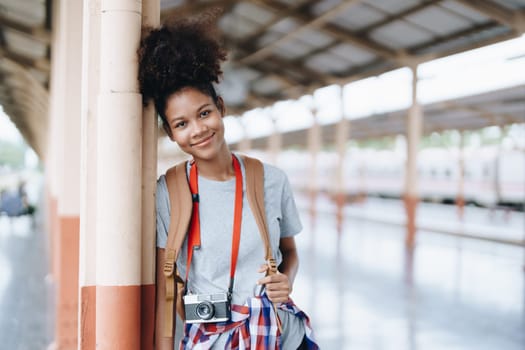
(220, 168)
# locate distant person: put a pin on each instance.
(27, 208)
(15, 203)
(178, 65)
(3, 197)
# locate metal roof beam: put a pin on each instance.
(42, 64)
(332, 30)
(453, 36)
(37, 33)
(474, 45)
(398, 16)
(309, 74)
(193, 7)
(316, 22)
(513, 19)
(248, 41)
(490, 116)
(282, 65)
(252, 101)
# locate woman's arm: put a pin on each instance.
(161, 341)
(290, 263)
(280, 285)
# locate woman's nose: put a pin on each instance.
(199, 127)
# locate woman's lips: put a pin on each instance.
(203, 142)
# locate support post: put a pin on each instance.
(150, 18)
(88, 186)
(119, 179)
(314, 147)
(66, 97)
(274, 140)
(460, 199)
(414, 129)
(245, 144)
(56, 88)
(341, 138)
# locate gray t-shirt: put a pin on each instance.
(210, 268)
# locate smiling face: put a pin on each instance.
(196, 124)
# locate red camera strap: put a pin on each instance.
(194, 235)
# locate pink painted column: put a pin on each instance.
(460, 199)
(274, 141)
(414, 130)
(88, 217)
(341, 138)
(119, 179)
(150, 18)
(314, 147)
(65, 167)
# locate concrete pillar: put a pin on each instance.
(56, 113)
(245, 144)
(314, 147)
(341, 138)
(88, 186)
(414, 130)
(274, 142)
(460, 199)
(119, 179)
(150, 18)
(64, 168)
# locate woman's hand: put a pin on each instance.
(278, 286)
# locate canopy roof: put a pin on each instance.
(279, 49)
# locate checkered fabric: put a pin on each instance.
(252, 326)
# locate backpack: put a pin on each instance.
(180, 216)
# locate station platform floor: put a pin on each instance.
(365, 291)
(362, 289)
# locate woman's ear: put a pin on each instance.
(221, 106)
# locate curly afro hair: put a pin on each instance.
(182, 53)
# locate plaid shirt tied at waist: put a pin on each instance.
(252, 326)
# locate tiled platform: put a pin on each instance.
(26, 296)
(361, 288)
(364, 291)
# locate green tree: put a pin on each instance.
(12, 154)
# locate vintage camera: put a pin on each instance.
(202, 308)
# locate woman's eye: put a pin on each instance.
(180, 125)
(205, 113)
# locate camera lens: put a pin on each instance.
(205, 310)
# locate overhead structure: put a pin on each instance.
(279, 49)
(284, 49)
(25, 45)
(494, 108)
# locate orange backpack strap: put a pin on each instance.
(255, 191)
(180, 215)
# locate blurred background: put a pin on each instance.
(400, 125)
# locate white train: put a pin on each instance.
(492, 176)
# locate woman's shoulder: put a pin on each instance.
(161, 182)
(273, 172)
(162, 189)
(274, 177)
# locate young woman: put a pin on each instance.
(178, 65)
